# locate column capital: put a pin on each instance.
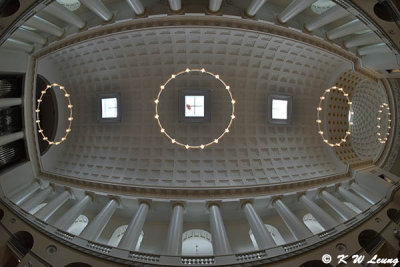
(319, 193)
(300, 194)
(146, 201)
(116, 198)
(90, 194)
(213, 202)
(244, 201)
(275, 198)
(177, 203)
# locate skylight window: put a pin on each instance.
(279, 109)
(109, 108)
(194, 106)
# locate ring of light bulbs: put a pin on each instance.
(157, 115)
(319, 121)
(70, 118)
(386, 107)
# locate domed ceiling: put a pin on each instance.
(134, 64)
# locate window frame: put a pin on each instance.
(289, 100)
(100, 107)
(181, 105)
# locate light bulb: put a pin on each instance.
(187, 70)
(227, 87)
(156, 101)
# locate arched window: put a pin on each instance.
(276, 236)
(37, 208)
(197, 242)
(312, 224)
(119, 233)
(79, 224)
(352, 207)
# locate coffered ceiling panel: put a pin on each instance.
(134, 64)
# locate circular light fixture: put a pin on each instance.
(70, 118)
(157, 115)
(319, 121)
(383, 107)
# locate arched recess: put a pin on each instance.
(119, 233)
(369, 240)
(79, 224)
(275, 234)
(1, 214)
(312, 224)
(22, 241)
(315, 263)
(352, 207)
(37, 208)
(197, 242)
(394, 215)
(78, 264)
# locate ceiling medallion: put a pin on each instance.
(157, 115)
(319, 121)
(384, 106)
(70, 118)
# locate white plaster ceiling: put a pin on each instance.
(134, 64)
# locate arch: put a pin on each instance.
(119, 233)
(79, 224)
(1, 214)
(275, 234)
(9, 7)
(315, 263)
(394, 215)
(37, 208)
(197, 242)
(78, 264)
(22, 241)
(352, 207)
(312, 224)
(369, 240)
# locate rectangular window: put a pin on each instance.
(279, 109)
(194, 106)
(109, 108)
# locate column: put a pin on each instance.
(59, 11)
(14, 44)
(353, 198)
(362, 39)
(65, 221)
(132, 233)
(344, 211)
(332, 14)
(373, 49)
(296, 227)
(260, 232)
(365, 194)
(175, 5)
(26, 192)
(44, 26)
(45, 213)
(28, 36)
(214, 5)
(173, 245)
(319, 214)
(346, 29)
(254, 6)
(36, 199)
(137, 6)
(97, 225)
(219, 238)
(9, 138)
(293, 9)
(9, 102)
(98, 7)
